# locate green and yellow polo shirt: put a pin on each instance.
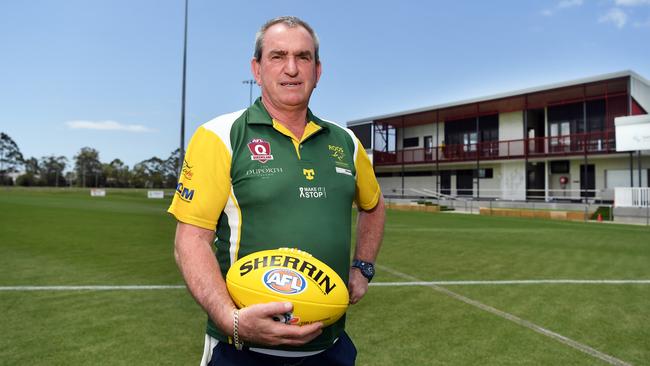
(260, 187)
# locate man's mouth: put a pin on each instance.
(291, 83)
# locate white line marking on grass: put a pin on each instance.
(511, 282)
(88, 288)
(377, 284)
(525, 323)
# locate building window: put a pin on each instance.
(560, 167)
(486, 173)
(469, 141)
(411, 142)
(364, 134)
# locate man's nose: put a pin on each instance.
(291, 68)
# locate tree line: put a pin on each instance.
(86, 169)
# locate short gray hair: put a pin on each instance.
(289, 21)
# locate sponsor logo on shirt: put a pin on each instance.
(187, 170)
(260, 150)
(344, 171)
(264, 172)
(312, 192)
(184, 193)
(337, 152)
(309, 174)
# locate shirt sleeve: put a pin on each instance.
(367, 190)
(204, 183)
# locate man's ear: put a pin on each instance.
(255, 70)
(319, 70)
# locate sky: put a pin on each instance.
(107, 74)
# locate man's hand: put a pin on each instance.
(256, 325)
(357, 285)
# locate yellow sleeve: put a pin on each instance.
(368, 191)
(204, 184)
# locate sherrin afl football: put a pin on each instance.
(317, 292)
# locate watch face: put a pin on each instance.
(367, 269)
(370, 270)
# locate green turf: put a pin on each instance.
(65, 237)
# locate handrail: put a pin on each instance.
(602, 142)
(427, 193)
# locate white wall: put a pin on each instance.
(610, 172)
(441, 132)
(416, 131)
(490, 187)
(511, 126)
(387, 185)
(393, 185)
(641, 93)
(512, 177)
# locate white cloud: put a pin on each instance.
(632, 2)
(569, 3)
(615, 16)
(563, 4)
(106, 126)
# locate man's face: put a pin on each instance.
(287, 70)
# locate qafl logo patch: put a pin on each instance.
(260, 150)
(187, 170)
(284, 281)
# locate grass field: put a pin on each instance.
(64, 238)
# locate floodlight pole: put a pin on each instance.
(250, 82)
(181, 156)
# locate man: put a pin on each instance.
(251, 176)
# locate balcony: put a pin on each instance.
(566, 145)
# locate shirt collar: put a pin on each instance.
(258, 115)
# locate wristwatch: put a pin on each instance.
(367, 269)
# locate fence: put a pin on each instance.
(584, 211)
(632, 197)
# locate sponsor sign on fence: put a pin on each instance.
(156, 194)
(97, 192)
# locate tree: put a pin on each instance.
(117, 174)
(32, 176)
(87, 167)
(172, 169)
(71, 178)
(149, 173)
(52, 168)
(10, 157)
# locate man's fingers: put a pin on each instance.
(270, 309)
(357, 285)
(298, 335)
(256, 326)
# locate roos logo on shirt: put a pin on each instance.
(260, 150)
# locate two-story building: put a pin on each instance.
(554, 142)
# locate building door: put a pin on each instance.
(445, 182)
(535, 131)
(535, 180)
(428, 148)
(465, 182)
(587, 180)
